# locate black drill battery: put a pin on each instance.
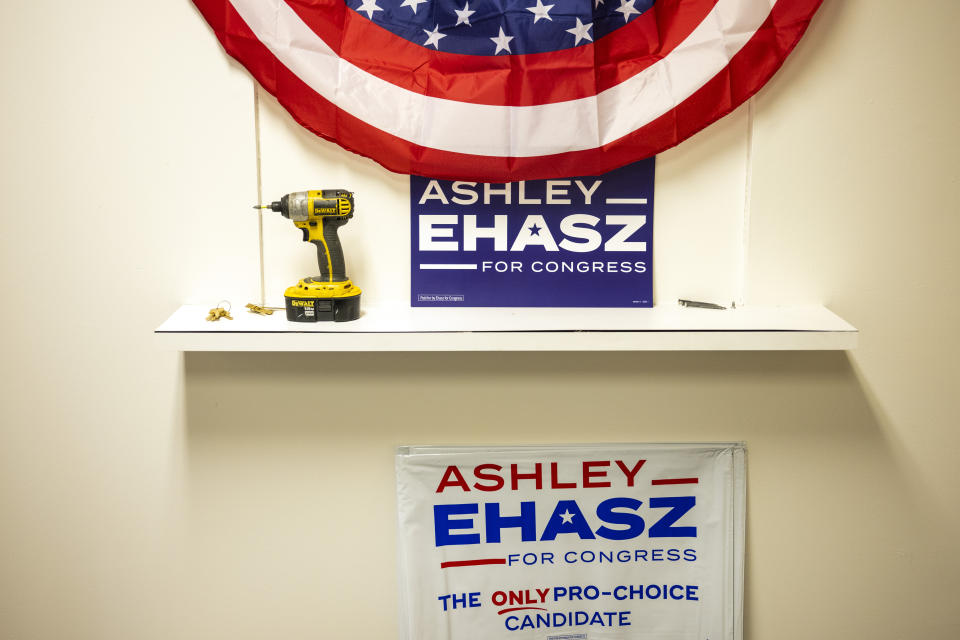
(323, 309)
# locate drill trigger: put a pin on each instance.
(306, 234)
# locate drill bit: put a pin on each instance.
(698, 304)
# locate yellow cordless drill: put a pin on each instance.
(331, 295)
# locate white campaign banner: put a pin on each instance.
(572, 542)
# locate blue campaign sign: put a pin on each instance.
(575, 242)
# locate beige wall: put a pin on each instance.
(145, 494)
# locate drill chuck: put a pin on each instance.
(276, 205)
(300, 208)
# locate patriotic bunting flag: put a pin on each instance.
(505, 90)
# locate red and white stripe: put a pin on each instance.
(642, 89)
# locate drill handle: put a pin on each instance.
(330, 253)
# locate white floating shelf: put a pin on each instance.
(664, 328)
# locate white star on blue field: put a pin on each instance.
(500, 27)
